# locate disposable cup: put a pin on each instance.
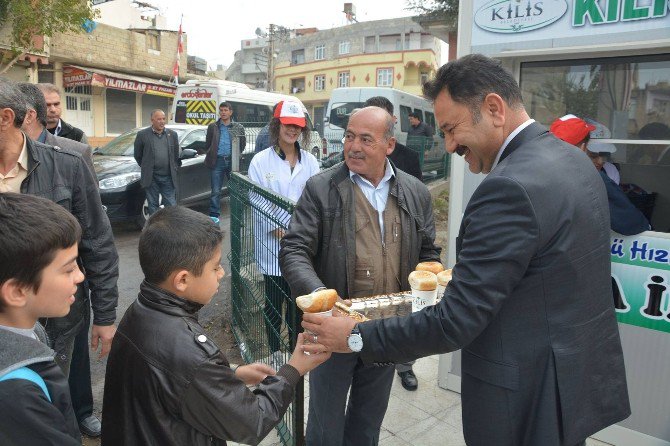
(423, 298)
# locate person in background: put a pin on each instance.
(530, 299)
(360, 228)
(284, 168)
(219, 144)
(157, 153)
(418, 127)
(263, 138)
(625, 218)
(55, 125)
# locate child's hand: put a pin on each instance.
(253, 374)
(304, 363)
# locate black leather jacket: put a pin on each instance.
(62, 176)
(168, 384)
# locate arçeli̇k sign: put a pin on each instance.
(515, 16)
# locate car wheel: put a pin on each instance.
(144, 212)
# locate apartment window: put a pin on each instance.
(153, 41)
(320, 52)
(319, 82)
(345, 47)
(343, 79)
(385, 77)
(297, 85)
(297, 57)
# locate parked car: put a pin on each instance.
(332, 159)
(119, 174)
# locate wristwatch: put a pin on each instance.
(354, 340)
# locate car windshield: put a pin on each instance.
(123, 145)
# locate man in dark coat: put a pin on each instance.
(157, 153)
(530, 301)
(55, 125)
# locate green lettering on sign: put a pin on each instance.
(633, 12)
(582, 8)
(659, 8)
(612, 10)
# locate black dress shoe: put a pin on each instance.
(90, 426)
(408, 380)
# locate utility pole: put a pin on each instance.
(271, 58)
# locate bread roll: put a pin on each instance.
(443, 277)
(318, 301)
(422, 280)
(433, 267)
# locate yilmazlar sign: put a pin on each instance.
(641, 281)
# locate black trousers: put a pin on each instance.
(277, 292)
(79, 379)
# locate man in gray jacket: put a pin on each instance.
(359, 227)
(530, 301)
(157, 153)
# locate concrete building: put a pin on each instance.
(394, 53)
(130, 14)
(250, 65)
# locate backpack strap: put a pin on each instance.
(28, 375)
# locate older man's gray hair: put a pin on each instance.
(12, 98)
(36, 101)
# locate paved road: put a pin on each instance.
(214, 317)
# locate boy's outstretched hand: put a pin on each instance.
(253, 374)
(304, 363)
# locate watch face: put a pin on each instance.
(355, 342)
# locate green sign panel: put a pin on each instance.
(641, 281)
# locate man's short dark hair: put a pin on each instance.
(381, 102)
(226, 104)
(32, 230)
(415, 115)
(177, 238)
(12, 98)
(470, 78)
(36, 101)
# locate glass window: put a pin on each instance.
(70, 103)
(345, 47)
(319, 82)
(320, 52)
(343, 79)
(297, 57)
(251, 115)
(120, 106)
(385, 77)
(404, 117)
(195, 140)
(430, 120)
(339, 113)
(151, 102)
(297, 85)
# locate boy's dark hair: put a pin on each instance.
(415, 115)
(470, 78)
(226, 104)
(177, 238)
(32, 230)
(381, 102)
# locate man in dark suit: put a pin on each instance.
(55, 125)
(530, 302)
(404, 158)
(157, 153)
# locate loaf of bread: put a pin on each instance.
(422, 280)
(443, 277)
(433, 267)
(318, 301)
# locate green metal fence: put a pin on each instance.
(262, 318)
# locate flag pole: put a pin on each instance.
(180, 50)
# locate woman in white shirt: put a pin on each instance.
(283, 168)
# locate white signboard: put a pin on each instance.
(508, 21)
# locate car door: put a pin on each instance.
(194, 183)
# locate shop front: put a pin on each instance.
(606, 61)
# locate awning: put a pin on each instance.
(75, 76)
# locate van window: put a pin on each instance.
(251, 115)
(430, 120)
(339, 113)
(404, 118)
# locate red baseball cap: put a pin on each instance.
(290, 112)
(571, 129)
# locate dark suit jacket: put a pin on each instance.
(407, 160)
(530, 304)
(625, 218)
(84, 149)
(144, 155)
(71, 132)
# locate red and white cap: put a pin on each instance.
(290, 112)
(571, 129)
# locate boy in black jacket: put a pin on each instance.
(166, 382)
(38, 278)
